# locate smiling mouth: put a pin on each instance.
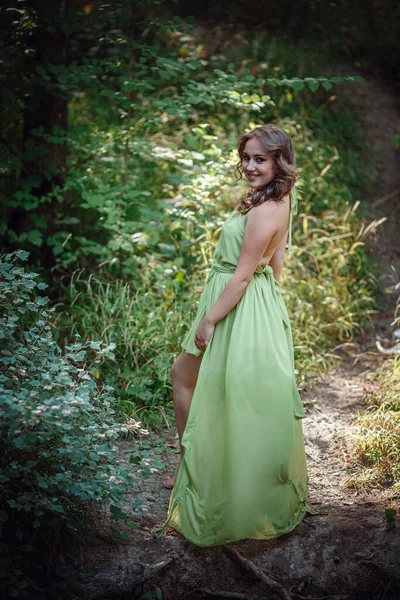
(252, 176)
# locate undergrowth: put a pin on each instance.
(375, 451)
(58, 433)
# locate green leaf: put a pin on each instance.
(313, 84)
(18, 442)
(22, 254)
(131, 524)
(132, 213)
(117, 514)
(297, 84)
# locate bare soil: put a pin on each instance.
(347, 551)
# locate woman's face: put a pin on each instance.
(257, 164)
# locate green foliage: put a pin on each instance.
(145, 328)
(328, 282)
(118, 171)
(57, 426)
(149, 180)
(329, 287)
(358, 32)
(121, 210)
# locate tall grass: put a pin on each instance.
(146, 329)
(327, 286)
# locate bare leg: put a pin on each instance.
(184, 375)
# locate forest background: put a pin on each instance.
(118, 139)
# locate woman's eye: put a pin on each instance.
(257, 159)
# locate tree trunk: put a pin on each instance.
(45, 108)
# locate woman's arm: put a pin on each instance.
(262, 224)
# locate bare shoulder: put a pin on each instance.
(267, 210)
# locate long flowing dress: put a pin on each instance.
(243, 473)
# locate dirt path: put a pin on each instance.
(347, 551)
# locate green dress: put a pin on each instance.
(243, 473)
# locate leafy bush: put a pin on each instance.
(57, 432)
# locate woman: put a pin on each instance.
(243, 470)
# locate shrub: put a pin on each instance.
(57, 444)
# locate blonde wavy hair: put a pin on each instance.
(279, 145)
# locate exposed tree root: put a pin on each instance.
(220, 594)
(330, 597)
(250, 567)
(121, 583)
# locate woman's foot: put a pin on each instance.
(169, 483)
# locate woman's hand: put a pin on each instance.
(204, 334)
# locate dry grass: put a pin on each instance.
(376, 447)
